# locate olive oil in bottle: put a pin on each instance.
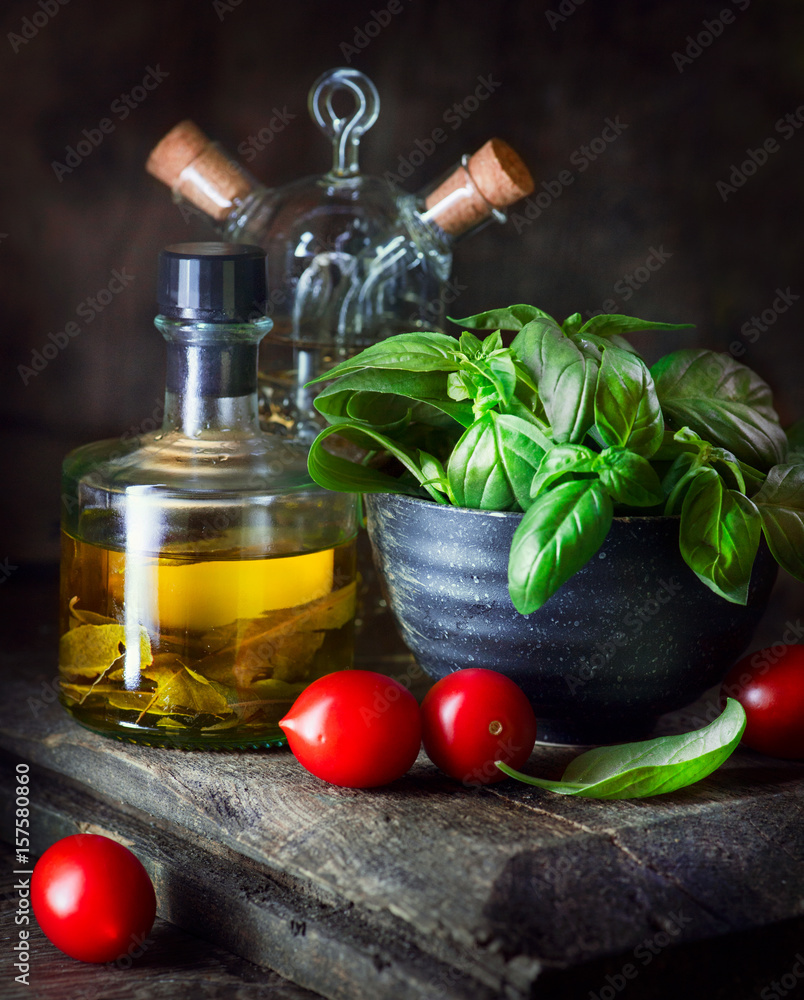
(205, 579)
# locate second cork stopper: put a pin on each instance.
(492, 178)
(198, 170)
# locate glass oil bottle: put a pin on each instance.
(352, 258)
(206, 580)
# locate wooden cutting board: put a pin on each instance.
(423, 889)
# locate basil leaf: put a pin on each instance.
(503, 372)
(572, 324)
(516, 408)
(628, 478)
(781, 506)
(494, 462)
(459, 386)
(385, 412)
(334, 472)
(558, 535)
(675, 443)
(558, 461)
(795, 443)
(492, 343)
(469, 344)
(612, 324)
(651, 767)
(433, 472)
(617, 341)
(415, 352)
(512, 318)
(723, 401)
(565, 377)
(719, 535)
(627, 411)
(425, 387)
(489, 381)
(795, 435)
(677, 479)
(436, 440)
(729, 467)
(525, 382)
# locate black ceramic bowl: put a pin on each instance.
(632, 635)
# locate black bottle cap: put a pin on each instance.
(212, 282)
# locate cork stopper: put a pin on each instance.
(492, 178)
(198, 170)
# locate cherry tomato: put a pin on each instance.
(473, 717)
(355, 728)
(770, 687)
(92, 898)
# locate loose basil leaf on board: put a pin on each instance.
(415, 352)
(723, 401)
(511, 318)
(781, 506)
(628, 478)
(494, 462)
(334, 472)
(565, 375)
(627, 411)
(613, 324)
(719, 535)
(652, 767)
(558, 535)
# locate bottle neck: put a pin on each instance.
(456, 205)
(211, 382)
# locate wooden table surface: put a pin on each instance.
(421, 890)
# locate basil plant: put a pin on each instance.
(571, 427)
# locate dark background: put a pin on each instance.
(229, 65)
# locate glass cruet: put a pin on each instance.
(206, 580)
(352, 258)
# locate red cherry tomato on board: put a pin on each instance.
(92, 898)
(355, 728)
(770, 687)
(471, 718)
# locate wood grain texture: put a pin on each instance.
(425, 888)
(174, 965)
